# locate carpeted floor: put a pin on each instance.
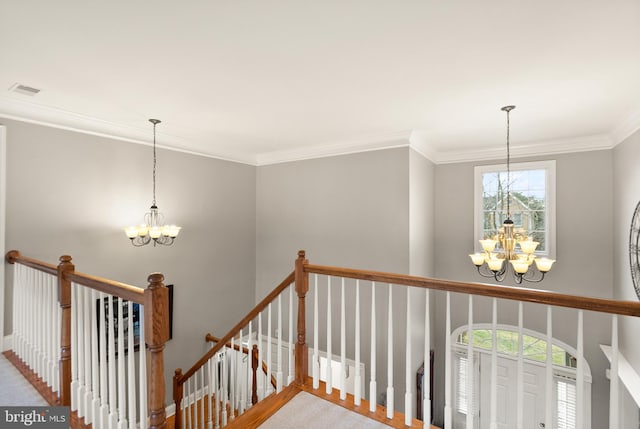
(311, 412)
(15, 390)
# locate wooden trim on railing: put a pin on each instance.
(626, 308)
(156, 333)
(250, 316)
(302, 287)
(64, 298)
(111, 287)
(14, 256)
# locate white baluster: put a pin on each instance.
(104, 393)
(216, 384)
(426, 381)
(75, 385)
(372, 383)
(142, 371)
(343, 346)
(580, 405)
(471, 406)
(448, 421)
(225, 378)
(185, 404)
(520, 370)
(113, 396)
(614, 395)
(81, 351)
(131, 368)
(55, 336)
(260, 379)
(390, 398)
(47, 319)
(88, 374)
(249, 382)
(241, 376)
(493, 419)
(548, 412)
(211, 391)
(316, 359)
(357, 394)
(122, 384)
(291, 342)
(39, 324)
(202, 397)
(232, 378)
(329, 381)
(189, 407)
(279, 376)
(268, 387)
(95, 360)
(408, 396)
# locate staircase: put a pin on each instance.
(354, 338)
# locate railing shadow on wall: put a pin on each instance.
(79, 336)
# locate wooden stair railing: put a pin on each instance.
(228, 341)
(153, 300)
(254, 356)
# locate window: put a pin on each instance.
(533, 348)
(532, 201)
(566, 404)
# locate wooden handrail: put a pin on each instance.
(625, 308)
(123, 290)
(227, 338)
(13, 256)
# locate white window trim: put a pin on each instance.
(550, 219)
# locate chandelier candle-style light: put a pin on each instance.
(500, 250)
(153, 229)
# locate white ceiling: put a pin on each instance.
(263, 81)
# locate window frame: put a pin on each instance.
(550, 201)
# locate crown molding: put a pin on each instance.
(626, 128)
(388, 141)
(38, 114)
(540, 148)
(417, 140)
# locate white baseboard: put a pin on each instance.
(7, 343)
(170, 409)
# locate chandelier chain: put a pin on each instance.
(508, 170)
(154, 163)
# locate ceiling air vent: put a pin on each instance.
(24, 89)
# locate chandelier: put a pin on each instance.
(153, 229)
(500, 250)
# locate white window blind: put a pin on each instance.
(566, 404)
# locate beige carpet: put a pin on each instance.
(310, 412)
(15, 390)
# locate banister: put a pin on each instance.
(212, 339)
(112, 287)
(625, 308)
(123, 290)
(14, 256)
(227, 338)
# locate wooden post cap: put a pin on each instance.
(155, 278)
(301, 254)
(12, 255)
(65, 259)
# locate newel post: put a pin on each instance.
(64, 298)
(302, 287)
(156, 332)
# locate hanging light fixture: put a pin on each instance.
(500, 251)
(153, 229)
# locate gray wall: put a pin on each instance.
(71, 193)
(583, 221)
(370, 210)
(626, 182)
